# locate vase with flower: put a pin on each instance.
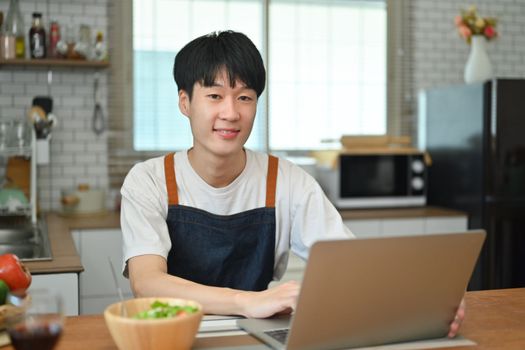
(476, 31)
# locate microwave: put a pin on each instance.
(374, 180)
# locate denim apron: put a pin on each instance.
(235, 251)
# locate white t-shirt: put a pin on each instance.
(303, 213)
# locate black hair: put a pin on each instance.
(202, 59)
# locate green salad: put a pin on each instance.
(159, 309)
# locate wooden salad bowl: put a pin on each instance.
(175, 333)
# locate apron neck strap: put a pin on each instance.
(171, 180)
(271, 181)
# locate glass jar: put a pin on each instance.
(7, 45)
(14, 32)
(83, 46)
(21, 134)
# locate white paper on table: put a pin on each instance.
(215, 326)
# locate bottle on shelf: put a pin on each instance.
(14, 32)
(83, 48)
(7, 44)
(54, 39)
(100, 51)
(37, 37)
(66, 42)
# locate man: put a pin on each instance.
(216, 223)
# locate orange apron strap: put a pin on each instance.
(271, 181)
(171, 180)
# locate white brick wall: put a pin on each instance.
(77, 154)
(439, 54)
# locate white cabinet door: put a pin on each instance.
(403, 227)
(364, 228)
(446, 224)
(97, 288)
(63, 284)
(386, 227)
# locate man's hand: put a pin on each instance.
(281, 299)
(456, 323)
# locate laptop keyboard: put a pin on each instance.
(279, 334)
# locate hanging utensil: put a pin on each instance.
(45, 102)
(98, 123)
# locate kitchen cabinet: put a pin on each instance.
(96, 286)
(406, 226)
(63, 284)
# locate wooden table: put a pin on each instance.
(495, 320)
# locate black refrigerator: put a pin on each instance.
(475, 135)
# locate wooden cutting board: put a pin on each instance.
(18, 174)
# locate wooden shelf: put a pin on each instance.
(16, 151)
(54, 63)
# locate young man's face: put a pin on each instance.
(221, 117)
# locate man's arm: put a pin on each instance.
(149, 277)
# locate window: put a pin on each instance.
(326, 63)
(327, 71)
(161, 28)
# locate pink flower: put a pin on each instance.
(458, 20)
(464, 31)
(489, 32)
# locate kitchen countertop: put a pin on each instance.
(65, 256)
(399, 213)
(66, 259)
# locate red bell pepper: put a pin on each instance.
(14, 273)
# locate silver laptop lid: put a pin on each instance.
(363, 292)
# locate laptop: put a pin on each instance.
(372, 291)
